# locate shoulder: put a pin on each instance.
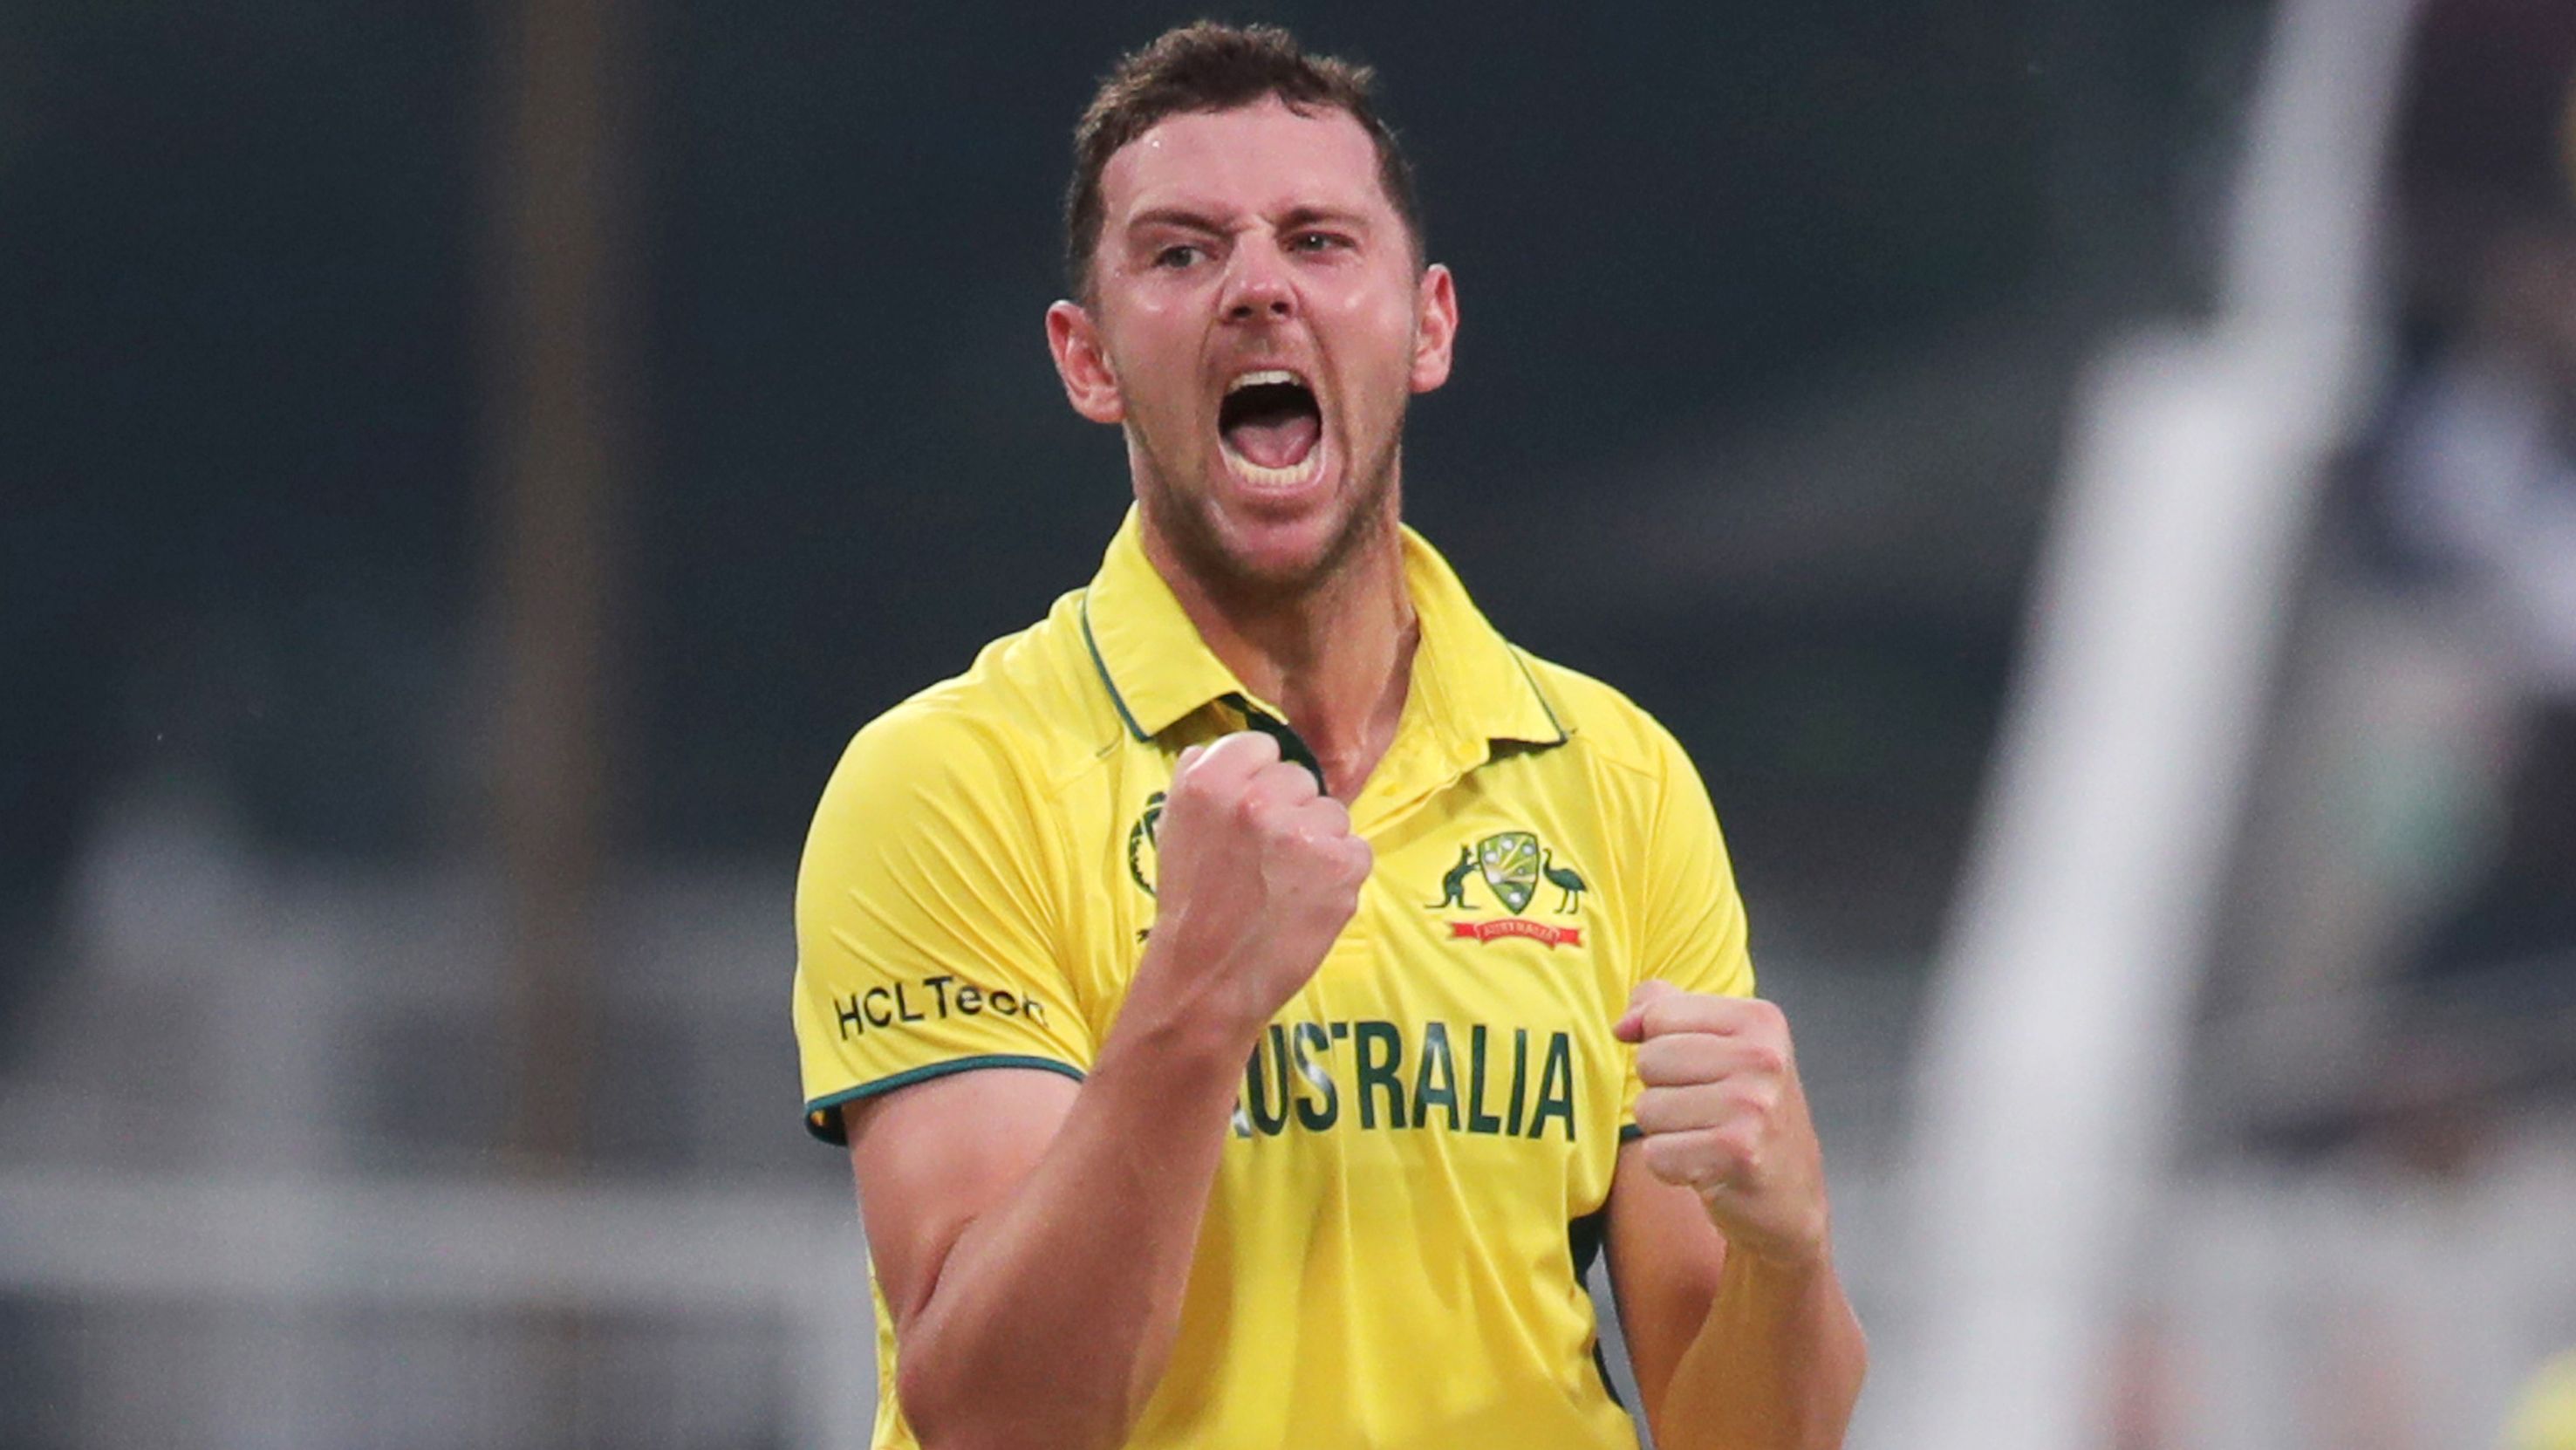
(1028, 711)
(1602, 724)
(972, 760)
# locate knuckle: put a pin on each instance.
(1764, 1100)
(1658, 1016)
(1748, 1109)
(1741, 1149)
(1359, 862)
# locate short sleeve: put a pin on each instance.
(1691, 929)
(925, 942)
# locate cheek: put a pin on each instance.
(1388, 316)
(1151, 355)
(1391, 381)
(1379, 332)
(1148, 325)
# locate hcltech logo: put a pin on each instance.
(1512, 865)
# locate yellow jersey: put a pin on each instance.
(1422, 1146)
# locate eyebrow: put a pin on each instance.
(1173, 216)
(1187, 220)
(1307, 216)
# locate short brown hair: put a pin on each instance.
(1208, 66)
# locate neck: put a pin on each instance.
(1336, 654)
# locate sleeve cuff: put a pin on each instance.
(823, 1118)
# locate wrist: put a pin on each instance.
(1173, 1019)
(1803, 1250)
(1193, 1001)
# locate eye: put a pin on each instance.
(1178, 256)
(1318, 242)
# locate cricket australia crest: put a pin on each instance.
(1512, 864)
(1508, 861)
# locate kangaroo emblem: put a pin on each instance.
(1453, 886)
(1564, 879)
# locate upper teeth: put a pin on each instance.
(1256, 379)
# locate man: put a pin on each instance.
(1227, 988)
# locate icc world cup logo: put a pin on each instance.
(1140, 843)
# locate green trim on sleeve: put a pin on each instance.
(825, 1124)
(1630, 1132)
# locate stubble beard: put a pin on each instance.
(1187, 525)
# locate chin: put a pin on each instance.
(1277, 553)
(1263, 552)
(1284, 557)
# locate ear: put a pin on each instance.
(1435, 327)
(1090, 384)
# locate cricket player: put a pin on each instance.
(1252, 995)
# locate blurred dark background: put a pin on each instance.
(249, 276)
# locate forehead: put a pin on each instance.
(1258, 158)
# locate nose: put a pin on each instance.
(1259, 290)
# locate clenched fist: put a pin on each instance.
(1260, 872)
(1723, 1114)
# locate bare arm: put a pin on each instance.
(1729, 1350)
(1741, 1335)
(1033, 1238)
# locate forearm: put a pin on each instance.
(1777, 1364)
(1053, 1315)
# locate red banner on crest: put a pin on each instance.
(1537, 931)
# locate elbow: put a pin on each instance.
(988, 1432)
(1859, 1366)
(941, 1419)
(946, 1415)
(1841, 1389)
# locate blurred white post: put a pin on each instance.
(2058, 1022)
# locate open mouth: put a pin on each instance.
(1272, 427)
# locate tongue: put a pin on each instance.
(1276, 442)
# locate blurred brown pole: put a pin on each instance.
(556, 326)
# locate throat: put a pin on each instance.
(1335, 658)
(1346, 710)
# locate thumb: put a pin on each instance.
(1631, 1026)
